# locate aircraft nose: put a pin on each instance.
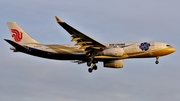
(172, 49)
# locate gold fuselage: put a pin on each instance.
(131, 50)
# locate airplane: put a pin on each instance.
(86, 50)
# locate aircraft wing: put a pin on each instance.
(81, 39)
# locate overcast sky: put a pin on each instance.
(27, 78)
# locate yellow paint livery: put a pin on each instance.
(86, 50)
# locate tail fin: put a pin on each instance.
(18, 34)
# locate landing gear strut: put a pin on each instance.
(91, 59)
(157, 60)
(88, 64)
(92, 62)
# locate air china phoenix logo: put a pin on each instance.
(16, 35)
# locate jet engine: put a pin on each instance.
(113, 52)
(114, 64)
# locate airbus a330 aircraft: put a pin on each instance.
(86, 49)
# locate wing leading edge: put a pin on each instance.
(81, 39)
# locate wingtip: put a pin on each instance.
(58, 19)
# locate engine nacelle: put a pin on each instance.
(113, 52)
(114, 64)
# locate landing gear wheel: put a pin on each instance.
(90, 70)
(91, 59)
(88, 64)
(94, 67)
(156, 62)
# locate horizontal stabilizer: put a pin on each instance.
(16, 45)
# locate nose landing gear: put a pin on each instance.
(157, 61)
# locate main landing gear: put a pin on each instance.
(157, 60)
(93, 67)
(92, 63)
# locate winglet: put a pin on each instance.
(58, 19)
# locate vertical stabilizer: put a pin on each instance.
(18, 34)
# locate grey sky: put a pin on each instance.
(28, 78)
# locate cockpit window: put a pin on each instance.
(167, 45)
